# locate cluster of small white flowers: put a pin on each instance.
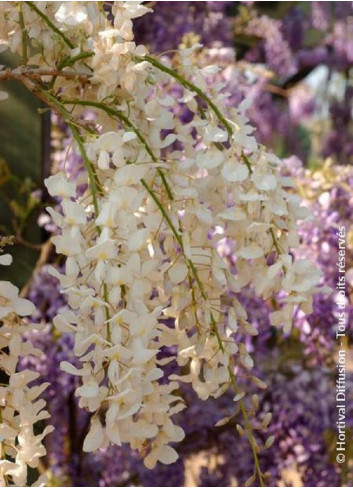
(20, 408)
(166, 189)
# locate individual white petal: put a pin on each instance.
(74, 212)
(90, 389)
(103, 251)
(178, 273)
(8, 290)
(209, 159)
(264, 182)
(95, 437)
(72, 370)
(5, 259)
(109, 142)
(103, 160)
(3, 95)
(164, 454)
(235, 172)
(233, 214)
(23, 307)
(62, 324)
(251, 252)
(59, 186)
(138, 240)
(15, 344)
(71, 14)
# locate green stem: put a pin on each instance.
(24, 36)
(214, 328)
(277, 248)
(177, 236)
(92, 181)
(93, 189)
(119, 115)
(68, 61)
(50, 24)
(125, 121)
(89, 167)
(189, 85)
(248, 429)
(247, 162)
(92, 177)
(275, 244)
(242, 407)
(164, 213)
(165, 183)
(3, 452)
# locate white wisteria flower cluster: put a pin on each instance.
(166, 189)
(20, 404)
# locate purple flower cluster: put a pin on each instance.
(273, 49)
(172, 22)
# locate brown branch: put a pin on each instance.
(32, 246)
(275, 89)
(46, 250)
(19, 73)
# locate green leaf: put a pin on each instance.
(20, 150)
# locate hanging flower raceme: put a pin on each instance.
(20, 404)
(144, 271)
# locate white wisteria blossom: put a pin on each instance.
(144, 267)
(20, 404)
